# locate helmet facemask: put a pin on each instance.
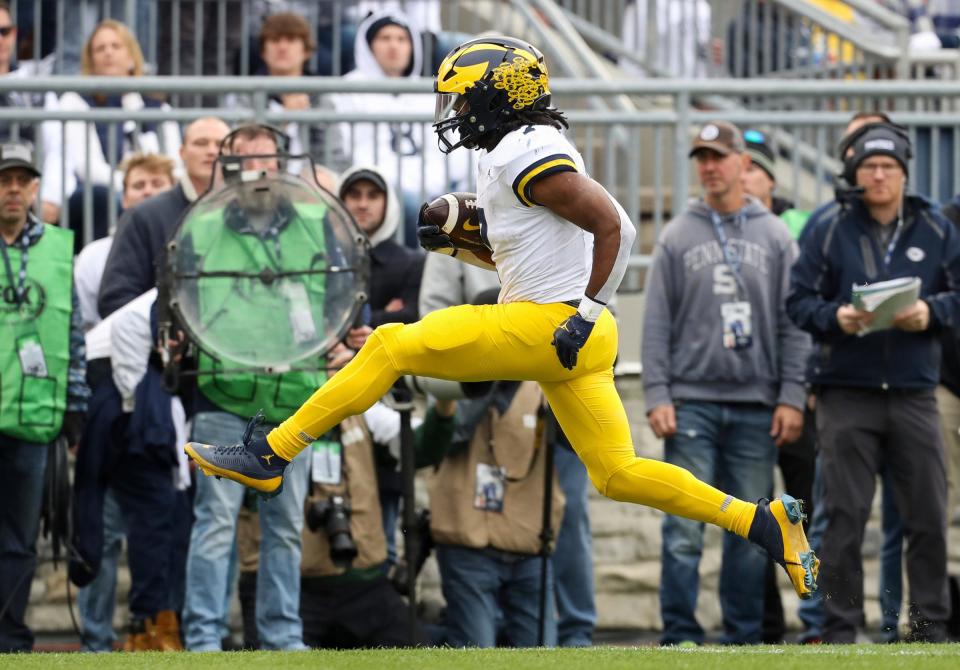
(471, 115)
(483, 84)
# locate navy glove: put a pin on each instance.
(430, 236)
(569, 338)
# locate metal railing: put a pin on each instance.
(765, 38)
(220, 37)
(640, 155)
(781, 38)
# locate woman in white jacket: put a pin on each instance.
(92, 151)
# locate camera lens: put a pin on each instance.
(342, 548)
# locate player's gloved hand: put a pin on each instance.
(569, 338)
(430, 236)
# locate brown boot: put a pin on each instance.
(166, 631)
(138, 638)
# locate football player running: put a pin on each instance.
(560, 244)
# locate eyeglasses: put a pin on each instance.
(22, 179)
(887, 168)
(6, 30)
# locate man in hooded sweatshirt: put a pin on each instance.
(723, 373)
(389, 46)
(395, 270)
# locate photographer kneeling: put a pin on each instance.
(346, 599)
(486, 502)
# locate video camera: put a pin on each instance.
(333, 515)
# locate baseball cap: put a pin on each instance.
(362, 175)
(16, 155)
(720, 136)
(760, 152)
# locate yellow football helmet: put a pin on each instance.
(483, 83)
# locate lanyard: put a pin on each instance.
(893, 243)
(22, 278)
(733, 259)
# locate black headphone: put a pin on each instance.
(279, 137)
(856, 141)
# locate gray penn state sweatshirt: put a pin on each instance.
(683, 354)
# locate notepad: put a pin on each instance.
(884, 299)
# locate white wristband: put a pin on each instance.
(590, 309)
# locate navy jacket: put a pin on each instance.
(139, 247)
(395, 272)
(838, 249)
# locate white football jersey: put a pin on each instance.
(540, 256)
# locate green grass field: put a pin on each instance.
(872, 657)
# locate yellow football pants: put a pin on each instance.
(512, 342)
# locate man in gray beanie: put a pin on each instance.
(876, 407)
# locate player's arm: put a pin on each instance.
(584, 203)
(467, 257)
(471, 258)
(432, 238)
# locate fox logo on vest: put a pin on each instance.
(34, 298)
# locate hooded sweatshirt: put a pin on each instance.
(395, 270)
(407, 154)
(683, 354)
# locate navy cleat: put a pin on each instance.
(251, 462)
(778, 527)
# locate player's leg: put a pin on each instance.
(591, 414)
(466, 343)
(463, 343)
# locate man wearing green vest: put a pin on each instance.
(253, 229)
(43, 392)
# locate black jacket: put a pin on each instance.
(839, 248)
(950, 340)
(138, 248)
(395, 272)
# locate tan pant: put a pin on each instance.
(949, 406)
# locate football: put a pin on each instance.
(456, 215)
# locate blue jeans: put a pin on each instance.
(97, 600)
(573, 556)
(212, 541)
(22, 466)
(729, 445)
(479, 583)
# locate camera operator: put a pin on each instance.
(258, 225)
(876, 407)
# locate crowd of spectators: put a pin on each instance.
(753, 357)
